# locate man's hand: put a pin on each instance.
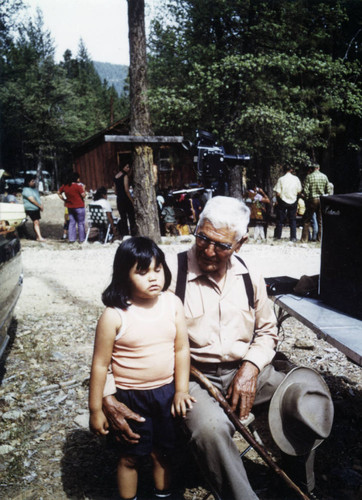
(117, 414)
(241, 392)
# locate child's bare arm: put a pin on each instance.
(182, 399)
(107, 327)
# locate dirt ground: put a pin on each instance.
(46, 451)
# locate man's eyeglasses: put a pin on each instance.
(203, 241)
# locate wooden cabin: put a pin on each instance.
(98, 158)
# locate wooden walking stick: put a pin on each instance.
(216, 394)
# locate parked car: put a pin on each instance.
(18, 180)
(11, 279)
(11, 270)
(46, 176)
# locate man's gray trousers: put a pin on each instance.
(212, 434)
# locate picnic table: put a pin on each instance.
(341, 330)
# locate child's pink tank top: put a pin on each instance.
(144, 349)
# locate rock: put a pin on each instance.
(43, 428)
(10, 397)
(13, 415)
(83, 420)
(60, 398)
(58, 356)
(303, 343)
(47, 388)
(6, 448)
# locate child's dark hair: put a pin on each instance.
(134, 250)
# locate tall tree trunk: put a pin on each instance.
(235, 182)
(144, 190)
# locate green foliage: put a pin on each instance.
(47, 107)
(280, 80)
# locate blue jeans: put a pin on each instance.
(76, 216)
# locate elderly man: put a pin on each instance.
(232, 336)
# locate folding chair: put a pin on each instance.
(98, 219)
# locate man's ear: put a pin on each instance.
(241, 242)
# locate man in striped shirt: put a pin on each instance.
(316, 185)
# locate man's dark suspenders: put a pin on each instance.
(248, 285)
(182, 276)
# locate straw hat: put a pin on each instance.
(301, 412)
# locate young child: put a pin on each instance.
(143, 334)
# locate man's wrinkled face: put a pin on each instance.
(211, 256)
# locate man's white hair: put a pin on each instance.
(225, 212)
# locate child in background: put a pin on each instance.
(169, 218)
(143, 334)
(66, 224)
(256, 199)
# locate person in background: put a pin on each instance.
(32, 204)
(182, 226)
(287, 190)
(160, 198)
(74, 193)
(256, 199)
(66, 219)
(196, 207)
(125, 205)
(11, 194)
(316, 185)
(66, 224)
(100, 198)
(169, 217)
(136, 299)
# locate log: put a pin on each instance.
(217, 395)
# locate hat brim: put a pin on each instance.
(293, 445)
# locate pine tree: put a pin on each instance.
(144, 191)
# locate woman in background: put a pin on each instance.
(125, 206)
(74, 193)
(32, 204)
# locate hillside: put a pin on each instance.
(115, 74)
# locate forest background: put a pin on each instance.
(277, 80)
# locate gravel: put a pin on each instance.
(46, 450)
